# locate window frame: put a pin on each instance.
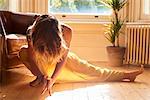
(82, 17)
(79, 17)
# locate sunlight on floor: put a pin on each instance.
(81, 93)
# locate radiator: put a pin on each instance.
(137, 44)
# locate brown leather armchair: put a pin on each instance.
(13, 28)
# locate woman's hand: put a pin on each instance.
(48, 83)
(29, 40)
(30, 45)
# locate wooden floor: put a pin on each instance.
(15, 86)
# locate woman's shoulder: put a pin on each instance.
(66, 29)
(65, 26)
(67, 33)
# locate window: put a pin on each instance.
(79, 9)
(145, 13)
(146, 7)
(3, 4)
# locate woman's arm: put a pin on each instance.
(52, 79)
(59, 66)
(67, 35)
(33, 65)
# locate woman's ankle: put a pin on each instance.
(37, 81)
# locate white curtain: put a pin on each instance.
(134, 10)
(34, 6)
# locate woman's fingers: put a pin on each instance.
(45, 87)
(50, 92)
(44, 90)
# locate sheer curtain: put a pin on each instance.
(134, 10)
(137, 11)
(34, 6)
(26, 5)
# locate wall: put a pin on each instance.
(88, 41)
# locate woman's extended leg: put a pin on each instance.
(88, 72)
(24, 57)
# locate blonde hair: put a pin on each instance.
(47, 39)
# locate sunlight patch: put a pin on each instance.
(85, 93)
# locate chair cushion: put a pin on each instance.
(15, 42)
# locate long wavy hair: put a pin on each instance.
(47, 36)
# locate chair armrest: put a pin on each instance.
(3, 51)
(2, 28)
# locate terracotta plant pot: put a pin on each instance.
(115, 55)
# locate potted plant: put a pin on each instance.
(115, 52)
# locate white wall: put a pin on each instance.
(88, 41)
(90, 46)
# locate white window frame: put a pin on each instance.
(82, 17)
(66, 17)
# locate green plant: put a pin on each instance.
(114, 28)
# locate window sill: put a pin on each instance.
(84, 21)
(83, 18)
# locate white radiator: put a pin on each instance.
(138, 44)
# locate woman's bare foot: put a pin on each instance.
(37, 81)
(131, 76)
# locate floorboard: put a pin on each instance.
(15, 86)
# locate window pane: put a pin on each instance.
(78, 7)
(3, 4)
(146, 7)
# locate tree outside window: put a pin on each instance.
(3, 4)
(78, 7)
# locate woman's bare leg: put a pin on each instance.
(23, 54)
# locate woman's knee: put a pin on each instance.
(23, 54)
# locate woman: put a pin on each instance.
(49, 59)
